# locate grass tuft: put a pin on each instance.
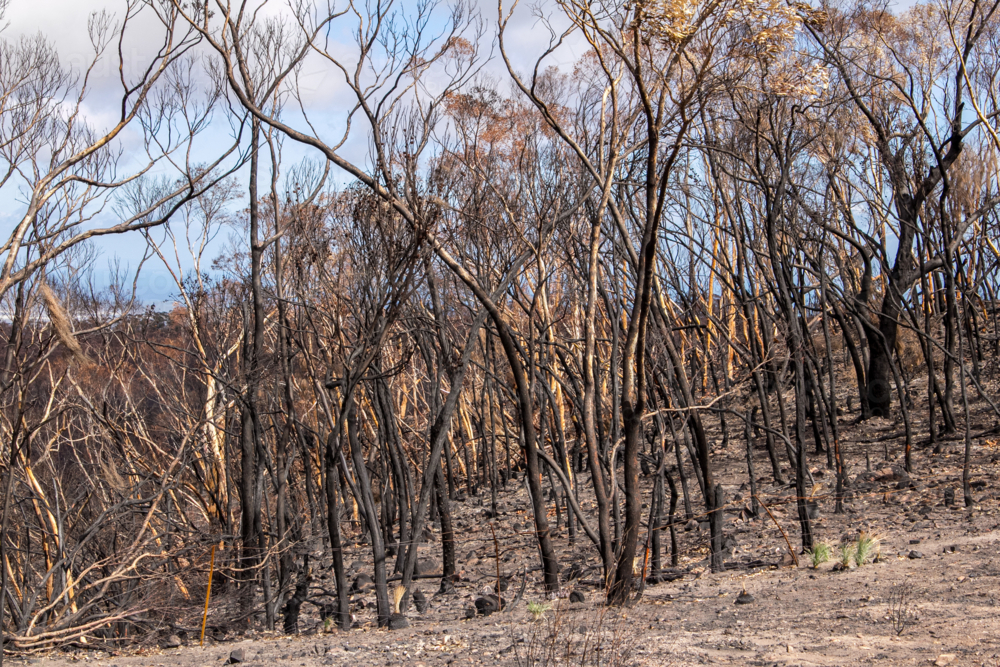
(538, 609)
(397, 596)
(866, 548)
(845, 554)
(819, 554)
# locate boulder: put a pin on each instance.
(398, 622)
(488, 604)
(425, 566)
(420, 600)
(362, 584)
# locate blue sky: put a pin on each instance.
(64, 23)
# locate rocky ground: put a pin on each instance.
(941, 557)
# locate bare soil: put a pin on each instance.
(798, 616)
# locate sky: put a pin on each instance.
(65, 24)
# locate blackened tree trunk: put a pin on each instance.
(250, 517)
(333, 527)
(447, 533)
(751, 474)
(370, 512)
(715, 528)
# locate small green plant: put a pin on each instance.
(328, 624)
(538, 609)
(819, 554)
(866, 548)
(846, 552)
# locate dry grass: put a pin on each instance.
(59, 320)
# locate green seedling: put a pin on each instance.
(538, 609)
(819, 554)
(865, 549)
(846, 552)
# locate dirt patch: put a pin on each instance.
(945, 558)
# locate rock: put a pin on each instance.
(744, 598)
(944, 659)
(236, 657)
(576, 596)
(420, 600)
(913, 555)
(357, 566)
(173, 641)
(902, 477)
(949, 497)
(398, 622)
(362, 583)
(424, 566)
(488, 604)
